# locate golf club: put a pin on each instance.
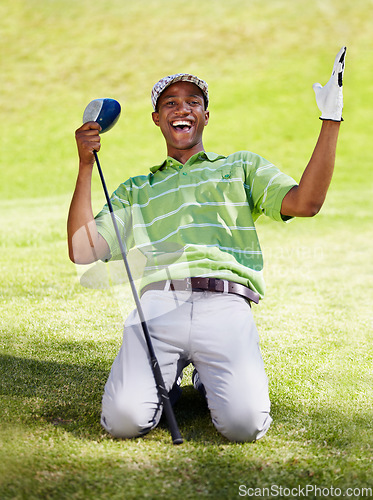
(106, 112)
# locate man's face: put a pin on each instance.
(181, 115)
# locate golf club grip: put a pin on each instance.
(162, 392)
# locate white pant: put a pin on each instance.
(214, 331)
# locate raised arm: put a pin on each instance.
(85, 244)
(306, 199)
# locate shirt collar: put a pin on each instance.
(202, 155)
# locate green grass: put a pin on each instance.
(58, 339)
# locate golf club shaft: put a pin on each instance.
(170, 416)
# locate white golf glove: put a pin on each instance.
(329, 98)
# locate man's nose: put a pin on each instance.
(183, 107)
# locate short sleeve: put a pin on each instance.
(267, 187)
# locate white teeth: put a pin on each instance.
(179, 123)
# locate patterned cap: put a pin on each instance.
(165, 82)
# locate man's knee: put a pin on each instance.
(246, 425)
(129, 420)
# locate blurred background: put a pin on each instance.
(259, 58)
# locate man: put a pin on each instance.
(200, 209)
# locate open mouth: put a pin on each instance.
(182, 125)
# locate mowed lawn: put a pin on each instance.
(58, 339)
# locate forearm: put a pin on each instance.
(84, 242)
(306, 199)
(317, 176)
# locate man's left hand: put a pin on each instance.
(330, 97)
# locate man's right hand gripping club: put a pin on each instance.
(88, 140)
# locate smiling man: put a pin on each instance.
(181, 113)
(199, 208)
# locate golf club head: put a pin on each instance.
(104, 111)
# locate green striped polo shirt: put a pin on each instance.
(198, 219)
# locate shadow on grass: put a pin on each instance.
(61, 393)
(69, 395)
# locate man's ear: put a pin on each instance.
(155, 116)
(207, 116)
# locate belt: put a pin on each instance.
(199, 284)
